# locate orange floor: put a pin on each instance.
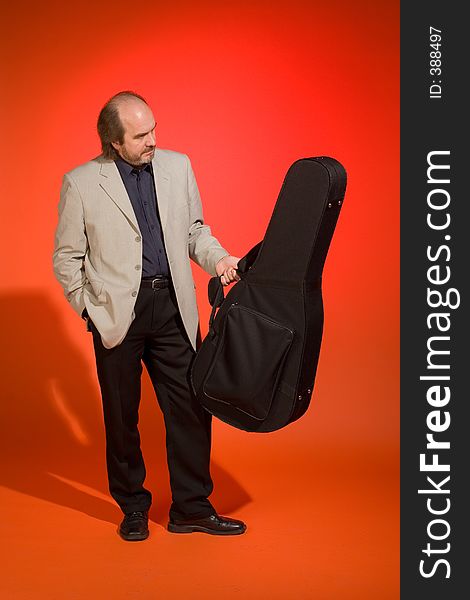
(322, 517)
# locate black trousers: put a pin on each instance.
(157, 339)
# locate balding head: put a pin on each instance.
(126, 128)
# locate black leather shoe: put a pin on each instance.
(214, 524)
(134, 526)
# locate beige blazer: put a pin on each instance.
(98, 245)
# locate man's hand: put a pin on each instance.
(226, 269)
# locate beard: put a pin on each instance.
(137, 160)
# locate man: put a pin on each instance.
(129, 221)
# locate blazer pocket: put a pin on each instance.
(98, 292)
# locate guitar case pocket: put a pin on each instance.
(248, 361)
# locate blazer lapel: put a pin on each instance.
(162, 185)
(113, 185)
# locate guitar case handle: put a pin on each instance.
(215, 288)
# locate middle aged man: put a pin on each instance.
(129, 221)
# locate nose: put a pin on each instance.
(150, 139)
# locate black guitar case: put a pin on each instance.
(256, 367)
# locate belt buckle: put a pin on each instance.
(156, 280)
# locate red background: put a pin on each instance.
(244, 88)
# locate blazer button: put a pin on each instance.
(134, 294)
(137, 267)
(138, 238)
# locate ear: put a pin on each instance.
(116, 145)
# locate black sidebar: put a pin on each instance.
(435, 257)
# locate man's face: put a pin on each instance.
(138, 146)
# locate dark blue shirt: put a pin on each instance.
(140, 186)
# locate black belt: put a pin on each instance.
(156, 283)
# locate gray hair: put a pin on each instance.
(110, 128)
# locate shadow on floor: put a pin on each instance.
(51, 430)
